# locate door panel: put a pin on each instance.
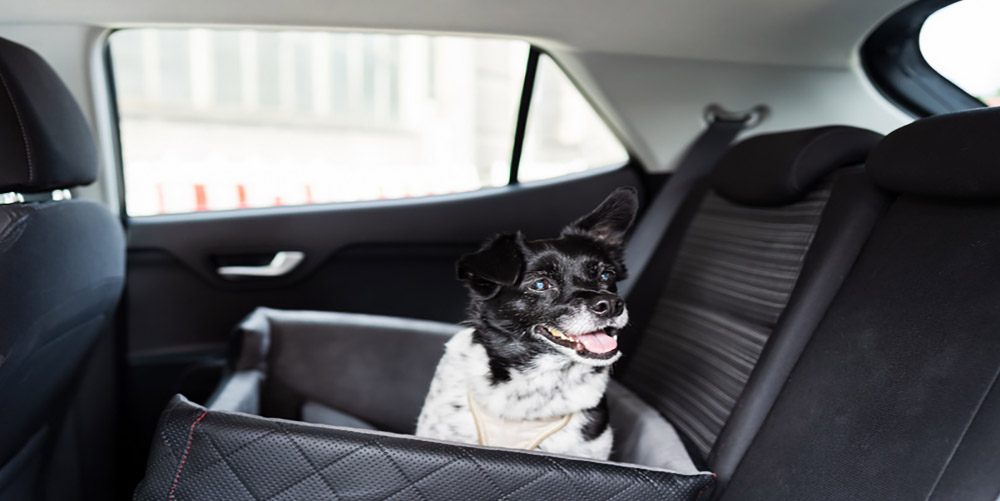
(385, 257)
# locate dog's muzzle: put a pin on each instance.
(599, 345)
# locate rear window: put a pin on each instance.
(961, 43)
(220, 119)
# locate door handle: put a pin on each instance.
(281, 264)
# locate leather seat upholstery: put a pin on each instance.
(61, 263)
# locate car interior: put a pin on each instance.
(229, 234)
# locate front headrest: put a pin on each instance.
(45, 142)
(950, 156)
(781, 168)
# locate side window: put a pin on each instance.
(221, 119)
(564, 134)
(228, 119)
(960, 42)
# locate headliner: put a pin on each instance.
(789, 32)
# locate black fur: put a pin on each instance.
(610, 221)
(597, 420)
(503, 308)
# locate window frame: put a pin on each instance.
(891, 58)
(535, 54)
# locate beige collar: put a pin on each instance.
(499, 432)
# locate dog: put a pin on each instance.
(531, 369)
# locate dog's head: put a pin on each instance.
(556, 294)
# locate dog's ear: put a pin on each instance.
(609, 221)
(498, 263)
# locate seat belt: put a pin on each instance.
(695, 165)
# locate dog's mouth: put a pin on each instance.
(598, 345)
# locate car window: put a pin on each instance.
(226, 119)
(564, 134)
(217, 119)
(960, 42)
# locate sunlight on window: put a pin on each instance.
(227, 119)
(960, 42)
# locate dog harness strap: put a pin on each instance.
(526, 434)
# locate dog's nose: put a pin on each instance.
(607, 306)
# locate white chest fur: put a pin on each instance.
(552, 387)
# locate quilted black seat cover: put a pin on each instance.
(200, 454)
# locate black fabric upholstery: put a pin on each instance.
(667, 208)
(892, 395)
(644, 295)
(198, 454)
(45, 141)
(779, 169)
(63, 269)
(769, 169)
(733, 275)
(950, 156)
(375, 368)
(19, 476)
(851, 212)
(736, 267)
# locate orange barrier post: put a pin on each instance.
(241, 196)
(200, 198)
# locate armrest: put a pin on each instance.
(373, 367)
(200, 454)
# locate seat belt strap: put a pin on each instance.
(695, 165)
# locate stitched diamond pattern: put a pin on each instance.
(235, 456)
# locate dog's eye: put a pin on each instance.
(607, 275)
(540, 284)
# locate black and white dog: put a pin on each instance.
(531, 370)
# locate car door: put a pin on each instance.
(327, 171)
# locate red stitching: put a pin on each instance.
(184, 457)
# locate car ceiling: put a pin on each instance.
(821, 33)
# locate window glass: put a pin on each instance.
(960, 42)
(564, 134)
(214, 119)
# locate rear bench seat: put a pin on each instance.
(772, 235)
(747, 277)
(896, 395)
(777, 204)
(755, 221)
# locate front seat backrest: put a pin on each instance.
(61, 261)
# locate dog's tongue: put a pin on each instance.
(597, 342)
